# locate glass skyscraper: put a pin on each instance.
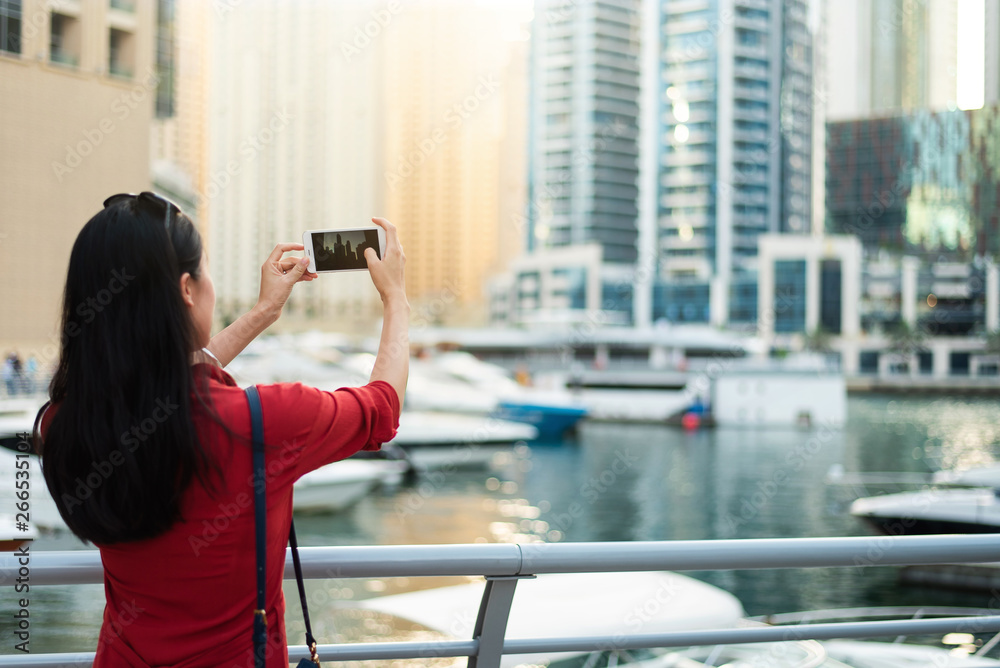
(735, 149)
(584, 110)
(731, 134)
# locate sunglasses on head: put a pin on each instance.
(150, 202)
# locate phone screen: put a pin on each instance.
(343, 249)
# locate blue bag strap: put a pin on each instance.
(310, 640)
(260, 522)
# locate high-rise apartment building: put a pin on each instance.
(78, 85)
(325, 114)
(295, 143)
(897, 54)
(453, 92)
(584, 113)
(723, 95)
(583, 158)
(736, 112)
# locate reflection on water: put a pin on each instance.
(623, 483)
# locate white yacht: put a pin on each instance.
(935, 510)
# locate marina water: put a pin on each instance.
(622, 482)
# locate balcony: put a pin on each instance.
(747, 51)
(749, 71)
(751, 93)
(686, 200)
(687, 178)
(749, 199)
(751, 23)
(64, 58)
(682, 26)
(750, 114)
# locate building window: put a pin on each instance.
(64, 43)
(830, 296)
(617, 296)
(10, 26)
(868, 362)
(790, 296)
(960, 364)
(743, 302)
(574, 285)
(681, 302)
(121, 53)
(165, 58)
(925, 362)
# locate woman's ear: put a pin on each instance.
(186, 289)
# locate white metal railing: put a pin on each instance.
(504, 564)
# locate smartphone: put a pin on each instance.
(342, 250)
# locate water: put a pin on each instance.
(619, 482)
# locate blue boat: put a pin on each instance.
(552, 421)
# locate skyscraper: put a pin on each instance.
(722, 95)
(324, 114)
(735, 149)
(452, 83)
(902, 54)
(583, 167)
(296, 125)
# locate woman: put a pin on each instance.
(146, 442)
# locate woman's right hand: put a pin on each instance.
(387, 273)
(392, 363)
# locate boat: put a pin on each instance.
(427, 428)
(551, 605)
(456, 382)
(631, 395)
(433, 440)
(553, 412)
(865, 654)
(931, 511)
(784, 654)
(605, 604)
(953, 650)
(339, 485)
(553, 421)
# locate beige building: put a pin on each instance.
(322, 115)
(77, 84)
(455, 86)
(295, 130)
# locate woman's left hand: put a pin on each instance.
(278, 276)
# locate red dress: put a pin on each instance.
(185, 598)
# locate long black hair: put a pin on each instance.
(122, 446)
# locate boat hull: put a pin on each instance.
(931, 511)
(552, 422)
(894, 526)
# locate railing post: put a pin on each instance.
(491, 623)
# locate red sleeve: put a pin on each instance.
(315, 427)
